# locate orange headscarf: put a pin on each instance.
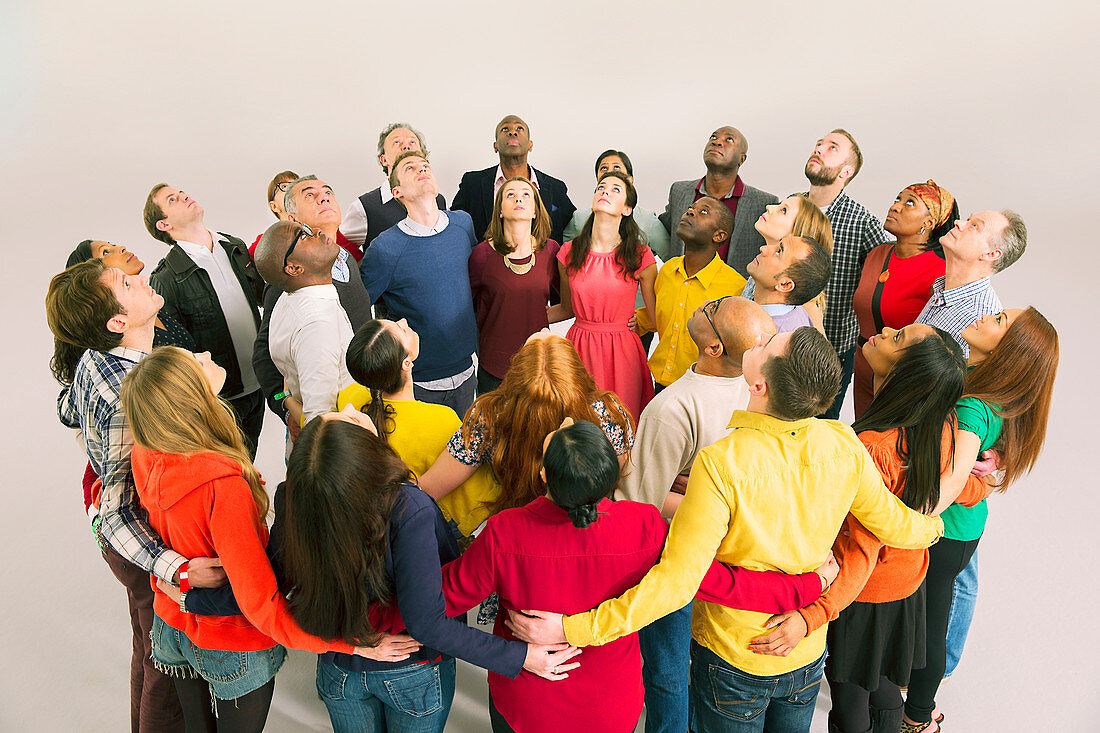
(938, 199)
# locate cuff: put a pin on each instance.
(578, 631)
(183, 602)
(814, 616)
(167, 564)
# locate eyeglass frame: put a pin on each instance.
(306, 231)
(716, 303)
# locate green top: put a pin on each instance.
(975, 416)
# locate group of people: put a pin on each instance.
(683, 525)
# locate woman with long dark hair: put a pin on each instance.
(600, 272)
(355, 531)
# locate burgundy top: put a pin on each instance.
(535, 558)
(509, 307)
(731, 203)
(902, 297)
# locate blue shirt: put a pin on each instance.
(955, 309)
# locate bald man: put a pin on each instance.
(680, 421)
(723, 155)
(477, 190)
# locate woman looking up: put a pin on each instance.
(897, 276)
(512, 274)
(600, 272)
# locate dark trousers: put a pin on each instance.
(856, 710)
(486, 382)
(154, 705)
(249, 411)
(946, 559)
(847, 367)
(458, 399)
(496, 720)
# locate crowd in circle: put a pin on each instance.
(660, 509)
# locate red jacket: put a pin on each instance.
(201, 505)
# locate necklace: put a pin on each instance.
(518, 268)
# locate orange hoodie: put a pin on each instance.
(201, 505)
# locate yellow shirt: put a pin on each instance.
(770, 496)
(677, 298)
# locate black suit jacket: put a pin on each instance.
(475, 197)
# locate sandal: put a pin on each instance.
(920, 727)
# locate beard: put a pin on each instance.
(823, 176)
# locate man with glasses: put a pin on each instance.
(679, 422)
(686, 282)
(792, 271)
(309, 331)
(210, 285)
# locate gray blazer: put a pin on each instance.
(745, 241)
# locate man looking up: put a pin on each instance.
(376, 211)
(420, 267)
(834, 162)
(772, 495)
(110, 315)
(686, 282)
(792, 271)
(210, 285)
(310, 201)
(309, 332)
(478, 189)
(680, 421)
(723, 155)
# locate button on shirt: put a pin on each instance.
(234, 304)
(309, 337)
(677, 298)
(955, 309)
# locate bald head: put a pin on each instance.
(271, 251)
(512, 139)
(726, 150)
(738, 325)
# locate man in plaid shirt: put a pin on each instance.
(111, 316)
(835, 161)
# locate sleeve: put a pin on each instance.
(621, 436)
(974, 492)
(657, 236)
(419, 582)
(476, 267)
(318, 353)
(573, 228)
(66, 410)
(461, 201)
(666, 452)
(233, 518)
(376, 270)
(211, 601)
(563, 253)
(666, 217)
(645, 323)
(886, 516)
(354, 225)
(553, 248)
(857, 551)
(162, 282)
(268, 375)
(471, 578)
(976, 417)
(873, 236)
(647, 260)
(765, 591)
(697, 530)
(472, 453)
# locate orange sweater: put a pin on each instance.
(201, 506)
(870, 572)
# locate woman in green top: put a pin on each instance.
(1013, 360)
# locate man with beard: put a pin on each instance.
(723, 155)
(835, 161)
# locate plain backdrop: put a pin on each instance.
(996, 101)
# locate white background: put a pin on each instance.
(996, 101)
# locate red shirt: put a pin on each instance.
(535, 558)
(730, 201)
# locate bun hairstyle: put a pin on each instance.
(581, 469)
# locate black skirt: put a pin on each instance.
(874, 640)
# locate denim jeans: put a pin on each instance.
(458, 399)
(666, 661)
(726, 699)
(963, 597)
(412, 699)
(847, 368)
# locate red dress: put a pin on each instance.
(603, 302)
(903, 295)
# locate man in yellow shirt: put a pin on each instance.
(770, 496)
(685, 283)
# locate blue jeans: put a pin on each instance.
(412, 699)
(847, 368)
(458, 399)
(666, 661)
(726, 699)
(963, 597)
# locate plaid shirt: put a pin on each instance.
(92, 404)
(953, 310)
(855, 233)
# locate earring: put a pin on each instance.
(922, 230)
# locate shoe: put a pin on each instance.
(930, 727)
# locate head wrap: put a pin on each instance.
(938, 199)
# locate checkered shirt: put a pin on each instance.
(955, 309)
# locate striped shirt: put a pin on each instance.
(955, 309)
(91, 404)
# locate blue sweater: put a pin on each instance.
(427, 281)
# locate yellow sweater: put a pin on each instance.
(770, 496)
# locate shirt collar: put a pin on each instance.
(767, 423)
(777, 309)
(735, 192)
(963, 292)
(129, 354)
(385, 191)
(547, 509)
(417, 229)
(706, 275)
(325, 291)
(499, 179)
(193, 248)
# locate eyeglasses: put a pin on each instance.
(306, 231)
(713, 305)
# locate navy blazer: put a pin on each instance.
(475, 197)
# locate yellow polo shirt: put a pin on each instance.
(770, 496)
(677, 298)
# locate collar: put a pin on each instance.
(129, 354)
(841, 199)
(959, 294)
(499, 179)
(192, 248)
(706, 275)
(735, 192)
(385, 191)
(546, 509)
(777, 309)
(767, 423)
(416, 229)
(326, 291)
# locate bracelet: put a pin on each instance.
(283, 395)
(185, 585)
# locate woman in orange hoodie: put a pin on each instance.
(194, 477)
